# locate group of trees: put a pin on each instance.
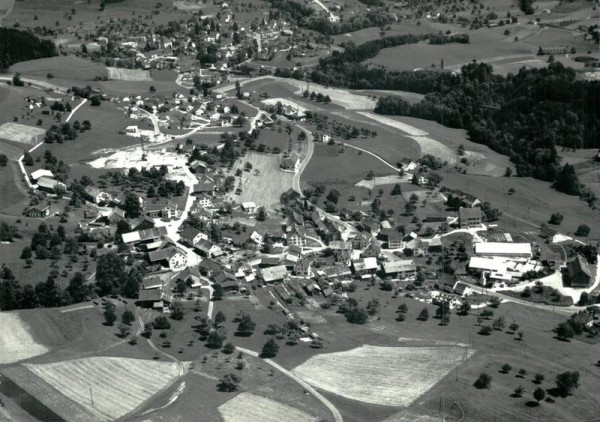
(48, 294)
(112, 276)
(522, 116)
(18, 46)
(66, 131)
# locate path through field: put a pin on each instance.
(428, 145)
(337, 416)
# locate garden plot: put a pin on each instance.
(17, 343)
(23, 134)
(250, 407)
(391, 376)
(117, 385)
(428, 145)
(122, 74)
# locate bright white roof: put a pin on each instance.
(487, 264)
(247, 205)
(131, 237)
(41, 173)
(370, 263)
(499, 248)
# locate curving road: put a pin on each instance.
(337, 416)
(374, 155)
(304, 163)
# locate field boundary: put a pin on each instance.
(337, 416)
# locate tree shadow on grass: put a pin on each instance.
(532, 403)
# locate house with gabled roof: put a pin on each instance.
(291, 162)
(208, 249)
(170, 257)
(578, 272)
(273, 274)
(192, 235)
(37, 211)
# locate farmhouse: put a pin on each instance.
(209, 267)
(155, 290)
(190, 274)
(208, 249)
(507, 250)
(249, 207)
(292, 162)
(170, 257)
(303, 268)
(402, 269)
(37, 211)
(469, 217)
(227, 281)
(96, 196)
(273, 274)
(205, 185)
(164, 209)
(364, 268)
(192, 235)
(578, 273)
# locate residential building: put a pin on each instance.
(249, 207)
(192, 235)
(208, 249)
(170, 257)
(469, 217)
(303, 268)
(292, 162)
(402, 269)
(274, 274)
(37, 211)
(96, 196)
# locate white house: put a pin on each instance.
(192, 235)
(249, 207)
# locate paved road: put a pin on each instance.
(568, 310)
(337, 416)
(75, 109)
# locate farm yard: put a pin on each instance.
(118, 385)
(391, 376)
(17, 343)
(248, 407)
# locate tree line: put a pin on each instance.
(18, 46)
(524, 116)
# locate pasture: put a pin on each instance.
(506, 51)
(62, 67)
(329, 166)
(17, 343)
(116, 385)
(22, 134)
(248, 407)
(390, 376)
(265, 183)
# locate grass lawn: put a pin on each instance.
(333, 168)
